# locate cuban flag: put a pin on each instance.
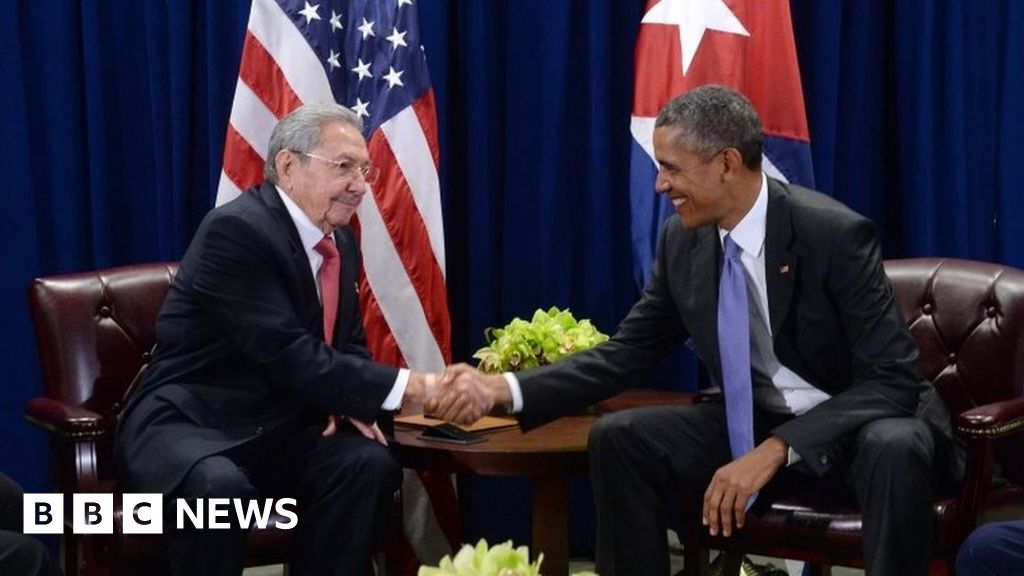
(366, 55)
(745, 44)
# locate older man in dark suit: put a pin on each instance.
(784, 297)
(259, 343)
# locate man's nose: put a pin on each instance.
(661, 184)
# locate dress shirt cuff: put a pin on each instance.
(515, 391)
(792, 457)
(394, 400)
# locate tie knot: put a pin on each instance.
(327, 248)
(732, 250)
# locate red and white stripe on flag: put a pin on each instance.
(286, 60)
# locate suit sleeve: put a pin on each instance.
(650, 330)
(356, 343)
(885, 380)
(244, 287)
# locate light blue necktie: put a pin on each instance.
(734, 350)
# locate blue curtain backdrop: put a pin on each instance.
(112, 119)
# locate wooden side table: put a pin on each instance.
(549, 455)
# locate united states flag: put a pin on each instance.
(745, 44)
(366, 55)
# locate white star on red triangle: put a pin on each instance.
(694, 17)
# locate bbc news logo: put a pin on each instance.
(144, 513)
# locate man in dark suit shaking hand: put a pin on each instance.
(260, 385)
(782, 292)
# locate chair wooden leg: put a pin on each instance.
(819, 569)
(695, 557)
(731, 562)
(70, 554)
(826, 570)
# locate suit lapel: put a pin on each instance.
(780, 262)
(704, 257)
(293, 245)
(349, 289)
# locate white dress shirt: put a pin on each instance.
(310, 235)
(790, 394)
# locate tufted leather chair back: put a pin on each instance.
(968, 320)
(95, 330)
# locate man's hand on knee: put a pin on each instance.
(370, 431)
(731, 488)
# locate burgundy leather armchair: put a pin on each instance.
(968, 320)
(94, 332)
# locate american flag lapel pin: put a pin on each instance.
(784, 269)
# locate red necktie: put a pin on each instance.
(330, 277)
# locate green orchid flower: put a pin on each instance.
(547, 338)
(479, 560)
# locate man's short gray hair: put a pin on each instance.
(300, 131)
(713, 118)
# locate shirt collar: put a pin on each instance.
(309, 233)
(749, 232)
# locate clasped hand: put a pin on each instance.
(460, 394)
(463, 394)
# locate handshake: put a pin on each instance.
(461, 394)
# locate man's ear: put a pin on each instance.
(732, 163)
(284, 162)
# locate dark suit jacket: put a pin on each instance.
(240, 346)
(833, 317)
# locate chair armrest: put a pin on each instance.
(993, 420)
(66, 422)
